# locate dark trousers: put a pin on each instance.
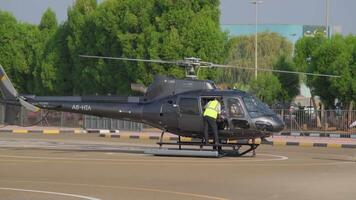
(210, 122)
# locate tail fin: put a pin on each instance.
(6, 87)
(12, 98)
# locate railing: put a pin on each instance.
(295, 121)
(66, 119)
(92, 122)
(326, 120)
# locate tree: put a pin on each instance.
(333, 57)
(139, 29)
(304, 50)
(351, 42)
(19, 50)
(289, 82)
(45, 72)
(241, 52)
(81, 77)
(48, 21)
(266, 87)
(330, 56)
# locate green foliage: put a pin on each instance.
(139, 29)
(273, 52)
(44, 59)
(329, 56)
(241, 52)
(304, 49)
(46, 71)
(333, 57)
(19, 50)
(48, 21)
(351, 43)
(266, 87)
(289, 82)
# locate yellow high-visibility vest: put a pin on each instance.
(211, 109)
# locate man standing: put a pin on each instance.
(212, 109)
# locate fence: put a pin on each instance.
(66, 119)
(92, 122)
(310, 120)
(298, 120)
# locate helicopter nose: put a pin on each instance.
(270, 123)
(278, 124)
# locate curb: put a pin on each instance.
(143, 137)
(116, 134)
(309, 144)
(43, 131)
(103, 131)
(318, 134)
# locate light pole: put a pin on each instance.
(327, 19)
(293, 44)
(255, 2)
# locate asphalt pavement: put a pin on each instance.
(86, 166)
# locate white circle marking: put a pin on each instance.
(48, 192)
(227, 160)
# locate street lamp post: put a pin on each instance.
(255, 2)
(293, 44)
(327, 19)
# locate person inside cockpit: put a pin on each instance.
(235, 108)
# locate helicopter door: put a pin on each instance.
(237, 115)
(190, 118)
(168, 115)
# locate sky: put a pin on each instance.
(308, 12)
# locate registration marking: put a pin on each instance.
(81, 107)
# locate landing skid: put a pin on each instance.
(184, 153)
(218, 150)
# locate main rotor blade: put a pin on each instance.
(272, 70)
(131, 59)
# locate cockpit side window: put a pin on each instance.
(189, 106)
(234, 108)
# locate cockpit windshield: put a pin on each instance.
(255, 107)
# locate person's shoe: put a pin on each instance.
(216, 147)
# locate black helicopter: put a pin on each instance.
(172, 105)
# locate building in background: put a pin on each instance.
(290, 31)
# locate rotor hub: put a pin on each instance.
(191, 65)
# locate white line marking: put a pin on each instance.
(188, 159)
(174, 161)
(48, 192)
(166, 163)
(201, 196)
(272, 155)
